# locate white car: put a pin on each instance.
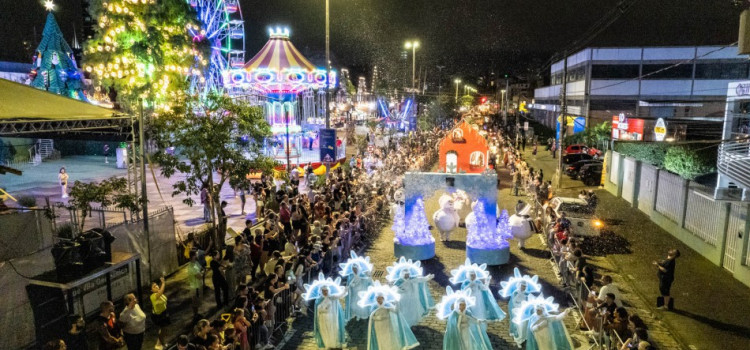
(582, 221)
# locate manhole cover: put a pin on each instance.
(377, 274)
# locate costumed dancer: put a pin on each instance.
(518, 288)
(387, 329)
(357, 271)
(416, 300)
(545, 328)
(329, 320)
(476, 278)
(463, 331)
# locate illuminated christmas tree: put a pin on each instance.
(142, 48)
(55, 69)
(417, 231)
(480, 233)
(503, 226)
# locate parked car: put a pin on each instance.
(591, 174)
(573, 169)
(576, 157)
(582, 221)
(579, 148)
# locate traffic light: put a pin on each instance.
(483, 100)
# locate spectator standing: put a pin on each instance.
(133, 322)
(606, 288)
(665, 273)
(63, 177)
(206, 204)
(243, 199)
(110, 335)
(76, 336)
(221, 287)
(57, 344)
(159, 314)
(195, 282)
(183, 343)
(105, 151)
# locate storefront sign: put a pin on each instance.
(622, 122)
(742, 89)
(660, 129)
(627, 129)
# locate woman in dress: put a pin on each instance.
(387, 328)
(329, 322)
(416, 300)
(517, 289)
(463, 331)
(546, 330)
(486, 307)
(62, 177)
(357, 272)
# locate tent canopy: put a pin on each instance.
(28, 112)
(278, 55)
(25, 103)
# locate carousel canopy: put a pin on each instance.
(279, 68)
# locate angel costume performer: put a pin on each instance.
(463, 331)
(546, 329)
(518, 288)
(357, 272)
(387, 329)
(470, 277)
(416, 300)
(329, 320)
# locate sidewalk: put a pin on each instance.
(712, 307)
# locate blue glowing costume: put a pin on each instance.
(387, 328)
(357, 272)
(416, 300)
(545, 330)
(463, 331)
(329, 323)
(517, 288)
(470, 277)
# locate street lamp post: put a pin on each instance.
(502, 105)
(458, 82)
(328, 68)
(413, 45)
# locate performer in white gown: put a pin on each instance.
(387, 328)
(329, 323)
(357, 271)
(546, 330)
(517, 288)
(463, 331)
(476, 278)
(416, 299)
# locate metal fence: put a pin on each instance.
(670, 197)
(704, 218)
(647, 188)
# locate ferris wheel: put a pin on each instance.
(223, 27)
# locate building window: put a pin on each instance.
(458, 136)
(614, 71)
(476, 159)
(668, 71)
(721, 71)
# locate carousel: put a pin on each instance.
(293, 96)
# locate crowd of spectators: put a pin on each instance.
(304, 225)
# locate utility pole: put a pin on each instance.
(563, 121)
(141, 144)
(328, 68)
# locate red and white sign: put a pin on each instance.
(624, 128)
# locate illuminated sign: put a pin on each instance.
(660, 130)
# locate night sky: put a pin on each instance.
(468, 37)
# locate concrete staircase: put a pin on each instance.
(42, 149)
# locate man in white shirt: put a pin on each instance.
(608, 287)
(134, 323)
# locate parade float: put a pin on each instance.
(463, 150)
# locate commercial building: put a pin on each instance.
(684, 86)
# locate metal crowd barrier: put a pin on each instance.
(284, 306)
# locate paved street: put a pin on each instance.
(711, 306)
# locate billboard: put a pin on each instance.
(627, 129)
(327, 145)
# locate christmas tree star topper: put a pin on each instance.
(49, 5)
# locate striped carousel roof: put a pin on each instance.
(279, 54)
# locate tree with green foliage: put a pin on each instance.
(436, 112)
(109, 192)
(690, 162)
(143, 50)
(217, 140)
(466, 100)
(597, 136)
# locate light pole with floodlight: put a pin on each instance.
(458, 82)
(413, 45)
